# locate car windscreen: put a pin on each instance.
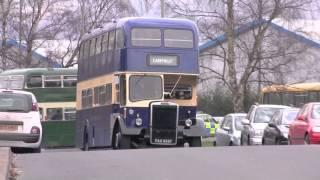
(145, 88)
(264, 114)
(237, 122)
(289, 116)
(316, 111)
(10, 102)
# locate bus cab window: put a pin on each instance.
(69, 114)
(34, 82)
(180, 92)
(52, 81)
(54, 114)
(69, 81)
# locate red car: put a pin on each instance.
(305, 129)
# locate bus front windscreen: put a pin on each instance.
(145, 88)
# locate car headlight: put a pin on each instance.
(188, 122)
(316, 129)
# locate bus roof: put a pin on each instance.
(146, 22)
(42, 71)
(300, 87)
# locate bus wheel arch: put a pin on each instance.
(119, 140)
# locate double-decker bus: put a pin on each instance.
(291, 94)
(55, 90)
(137, 85)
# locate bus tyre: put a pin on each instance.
(120, 141)
(195, 142)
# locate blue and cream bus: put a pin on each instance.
(137, 85)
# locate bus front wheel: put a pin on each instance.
(195, 142)
(120, 141)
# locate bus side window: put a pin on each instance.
(83, 98)
(92, 47)
(34, 82)
(69, 114)
(69, 81)
(111, 45)
(52, 81)
(105, 48)
(119, 39)
(98, 45)
(108, 93)
(54, 113)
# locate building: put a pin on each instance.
(286, 57)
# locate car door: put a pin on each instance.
(301, 125)
(221, 133)
(226, 128)
(270, 131)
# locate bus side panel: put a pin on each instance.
(98, 123)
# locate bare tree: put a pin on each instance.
(5, 10)
(242, 56)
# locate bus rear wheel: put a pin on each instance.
(120, 141)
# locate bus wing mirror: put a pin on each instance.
(245, 121)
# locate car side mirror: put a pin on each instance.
(245, 121)
(272, 124)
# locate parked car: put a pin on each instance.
(209, 122)
(257, 119)
(278, 128)
(305, 129)
(229, 131)
(20, 125)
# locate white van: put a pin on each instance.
(19, 120)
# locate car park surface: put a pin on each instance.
(20, 125)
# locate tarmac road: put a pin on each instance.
(221, 163)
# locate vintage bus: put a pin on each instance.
(137, 85)
(55, 90)
(292, 94)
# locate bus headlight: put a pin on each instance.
(138, 121)
(188, 122)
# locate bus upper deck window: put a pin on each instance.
(178, 38)
(34, 82)
(146, 37)
(52, 81)
(4, 81)
(69, 81)
(119, 39)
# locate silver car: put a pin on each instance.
(229, 131)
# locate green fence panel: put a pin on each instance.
(58, 134)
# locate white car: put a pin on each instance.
(20, 125)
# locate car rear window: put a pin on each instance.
(11, 102)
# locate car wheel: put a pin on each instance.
(230, 144)
(195, 142)
(120, 141)
(243, 141)
(306, 139)
(289, 141)
(214, 143)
